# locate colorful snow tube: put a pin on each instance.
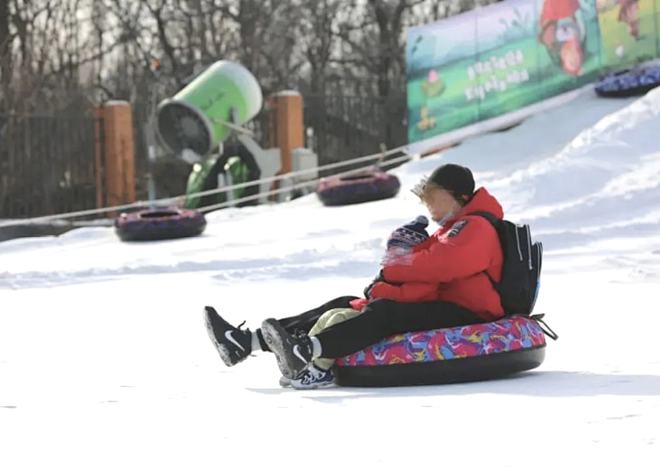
(629, 82)
(461, 354)
(164, 223)
(358, 188)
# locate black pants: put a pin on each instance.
(381, 318)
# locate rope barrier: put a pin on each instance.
(172, 200)
(370, 157)
(307, 183)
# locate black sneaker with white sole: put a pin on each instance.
(293, 353)
(313, 377)
(233, 344)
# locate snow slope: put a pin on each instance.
(105, 363)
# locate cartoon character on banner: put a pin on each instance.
(629, 14)
(433, 85)
(426, 121)
(563, 34)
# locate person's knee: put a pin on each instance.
(340, 316)
(347, 299)
(340, 302)
(381, 312)
(382, 304)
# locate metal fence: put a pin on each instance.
(344, 127)
(47, 163)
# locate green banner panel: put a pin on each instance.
(495, 60)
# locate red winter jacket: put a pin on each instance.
(453, 265)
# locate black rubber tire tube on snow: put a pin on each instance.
(159, 224)
(467, 369)
(359, 188)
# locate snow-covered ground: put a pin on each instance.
(105, 363)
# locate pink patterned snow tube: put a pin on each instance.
(464, 353)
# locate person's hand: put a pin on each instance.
(368, 288)
(409, 235)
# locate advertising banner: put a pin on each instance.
(495, 60)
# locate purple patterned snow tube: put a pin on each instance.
(162, 223)
(358, 188)
(464, 353)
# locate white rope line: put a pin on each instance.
(72, 214)
(169, 200)
(290, 175)
(307, 183)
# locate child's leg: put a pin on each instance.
(330, 318)
(305, 321)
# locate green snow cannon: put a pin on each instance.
(199, 116)
(204, 176)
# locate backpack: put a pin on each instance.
(521, 269)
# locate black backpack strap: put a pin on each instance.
(544, 326)
(493, 221)
(489, 216)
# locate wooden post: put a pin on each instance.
(115, 155)
(99, 157)
(287, 125)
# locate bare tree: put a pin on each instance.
(5, 50)
(349, 54)
(318, 37)
(373, 45)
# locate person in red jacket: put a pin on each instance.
(439, 281)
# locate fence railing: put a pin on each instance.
(47, 162)
(385, 160)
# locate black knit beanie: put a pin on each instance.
(454, 178)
